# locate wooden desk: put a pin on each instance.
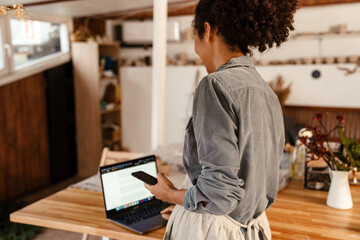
(297, 214)
(77, 210)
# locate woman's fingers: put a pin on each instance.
(161, 178)
(162, 190)
(168, 210)
(165, 216)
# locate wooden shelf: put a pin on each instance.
(322, 35)
(109, 44)
(88, 88)
(111, 141)
(108, 78)
(115, 109)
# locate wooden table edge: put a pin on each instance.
(24, 218)
(14, 217)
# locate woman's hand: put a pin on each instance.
(167, 212)
(162, 190)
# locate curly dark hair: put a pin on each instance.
(246, 24)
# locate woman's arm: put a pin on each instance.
(215, 128)
(218, 188)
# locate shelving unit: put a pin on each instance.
(317, 48)
(98, 122)
(322, 35)
(115, 109)
(107, 78)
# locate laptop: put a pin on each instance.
(127, 201)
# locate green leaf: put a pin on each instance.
(341, 157)
(352, 148)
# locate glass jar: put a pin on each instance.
(298, 162)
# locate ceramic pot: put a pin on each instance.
(339, 193)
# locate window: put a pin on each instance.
(2, 47)
(33, 40)
(2, 62)
(30, 47)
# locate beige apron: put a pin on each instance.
(189, 225)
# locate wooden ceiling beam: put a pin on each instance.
(180, 11)
(189, 10)
(46, 2)
(179, 8)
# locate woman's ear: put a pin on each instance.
(208, 31)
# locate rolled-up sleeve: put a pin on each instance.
(215, 129)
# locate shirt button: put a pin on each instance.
(241, 182)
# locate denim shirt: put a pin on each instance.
(233, 143)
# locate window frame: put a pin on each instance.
(13, 73)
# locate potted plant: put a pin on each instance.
(339, 162)
(352, 152)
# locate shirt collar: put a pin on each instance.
(235, 62)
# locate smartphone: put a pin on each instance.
(146, 178)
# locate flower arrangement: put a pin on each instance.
(317, 144)
(19, 11)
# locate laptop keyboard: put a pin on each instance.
(142, 213)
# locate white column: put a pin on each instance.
(159, 73)
(109, 29)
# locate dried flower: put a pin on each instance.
(318, 145)
(280, 90)
(303, 140)
(318, 116)
(340, 118)
(19, 12)
(3, 10)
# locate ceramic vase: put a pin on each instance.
(339, 193)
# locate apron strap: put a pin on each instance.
(255, 226)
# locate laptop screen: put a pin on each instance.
(120, 189)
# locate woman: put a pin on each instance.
(235, 138)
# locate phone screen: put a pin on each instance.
(143, 176)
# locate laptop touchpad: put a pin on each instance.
(149, 224)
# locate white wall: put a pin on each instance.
(180, 89)
(136, 108)
(307, 20)
(332, 89)
(136, 104)
(173, 48)
(318, 19)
